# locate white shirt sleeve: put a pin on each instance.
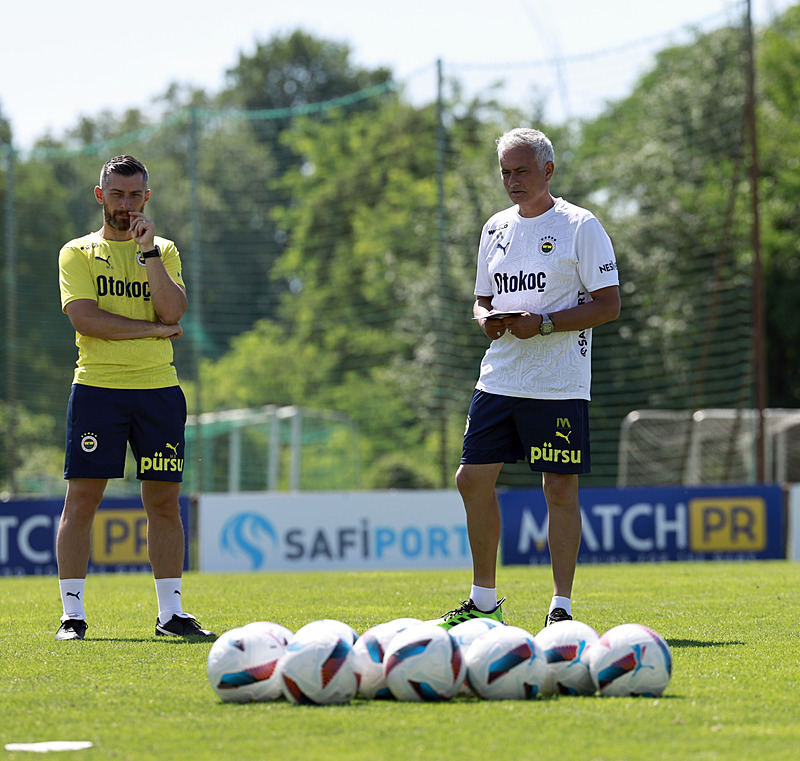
(597, 263)
(483, 281)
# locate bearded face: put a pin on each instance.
(120, 196)
(117, 218)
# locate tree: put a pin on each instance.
(289, 72)
(5, 129)
(665, 170)
(778, 59)
(356, 252)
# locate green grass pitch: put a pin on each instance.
(734, 630)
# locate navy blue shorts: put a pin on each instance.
(102, 421)
(551, 434)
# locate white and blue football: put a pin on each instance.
(368, 654)
(566, 646)
(424, 663)
(346, 631)
(317, 668)
(242, 665)
(505, 663)
(630, 660)
(465, 634)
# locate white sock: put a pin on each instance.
(561, 602)
(72, 598)
(168, 592)
(485, 599)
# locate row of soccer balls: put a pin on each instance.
(326, 662)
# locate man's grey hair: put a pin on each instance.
(127, 166)
(533, 139)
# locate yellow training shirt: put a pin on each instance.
(113, 274)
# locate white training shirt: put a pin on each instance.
(542, 264)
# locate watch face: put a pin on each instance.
(546, 328)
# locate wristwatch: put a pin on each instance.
(150, 254)
(547, 327)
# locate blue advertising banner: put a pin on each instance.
(28, 531)
(654, 524)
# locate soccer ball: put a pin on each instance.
(283, 634)
(630, 660)
(368, 653)
(346, 631)
(242, 665)
(505, 663)
(465, 634)
(317, 667)
(424, 663)
(566, 646)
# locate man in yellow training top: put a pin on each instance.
(121, 288)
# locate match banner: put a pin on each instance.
(335, 530)
(653, 525)
(28, 531)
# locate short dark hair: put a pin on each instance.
(127, 166)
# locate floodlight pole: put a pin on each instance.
(759, 323)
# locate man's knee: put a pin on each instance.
(474, 480)
(82, 500)
(161, 499)
(561, 490)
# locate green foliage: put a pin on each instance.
(667, 173)
(30, 461)
(732, 694)
(280, 368)
(778, 65)
(39, 215)
(5, 129)
(294, 70)
(369, 219)
(399, 470)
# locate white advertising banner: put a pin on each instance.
(332, 531)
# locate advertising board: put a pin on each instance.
(28, 531)
(653, 524)
(335, 530)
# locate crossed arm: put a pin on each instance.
(168, 298)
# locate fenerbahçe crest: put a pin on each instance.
(547, 245)
(88, 442)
